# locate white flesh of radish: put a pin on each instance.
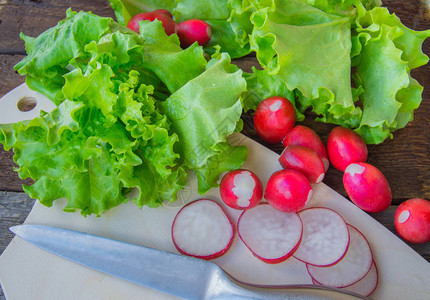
(275, 106)
(243, 188)
(366, 286)
(352, 268)
(202, 229)
(325, 237)
(269, 233)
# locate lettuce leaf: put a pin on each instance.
(203, 113)
(109, 134)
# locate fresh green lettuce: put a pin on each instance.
(347, 61)
(127, 115)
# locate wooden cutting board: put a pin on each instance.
(27, 272)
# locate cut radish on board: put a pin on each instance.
(325, 237)
(351, 269)
(366, 286)
(197, 221)
(271, 235)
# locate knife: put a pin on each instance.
(179, 275)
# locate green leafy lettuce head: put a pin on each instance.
(110, 134)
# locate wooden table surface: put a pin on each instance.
(405, 160)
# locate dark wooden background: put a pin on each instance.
(405, 160)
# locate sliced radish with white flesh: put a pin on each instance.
(271, 235)
(202, 229)
(304, 160)
(325, 237)
(351, 269)
(366, 286)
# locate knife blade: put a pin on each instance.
(182, 276)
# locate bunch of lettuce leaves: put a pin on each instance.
(348, 61)
(133, 112)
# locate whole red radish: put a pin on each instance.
(192, 31)
(202, 229)
(288, 190)
(412, 220)
(304, 160)
(168, 24)
(344, 147)
(241, 189)
(274, 118)
(367, 187)
(304, 136)
(165, 12)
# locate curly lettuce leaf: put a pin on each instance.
(385, 53)
(308, 50)
(108, 137)
(203, 113)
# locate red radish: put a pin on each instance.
(288, 190)
(271, 235)
(164, 12)
(367, 187)
(344, 147)
(412, 220)
(304, 136)
(366, 286)
(241, 189)
(352, 268)
(168, 23)
(197, 221)
(274, 118)
(192, 31)
(304, 160)
(325, 237)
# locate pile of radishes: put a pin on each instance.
(335, 253)
(305, 152)
(189, 31)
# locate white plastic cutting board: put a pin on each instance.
(27, 272)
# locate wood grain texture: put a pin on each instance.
(34, 17)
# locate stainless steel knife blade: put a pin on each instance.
(176, 274)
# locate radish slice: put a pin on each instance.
(325, 237)
(271, 235)
(197, 221)
(351, 269)
(366, 286)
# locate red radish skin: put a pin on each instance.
(164, 12)
(288, 191)
(241, 189)
(202, 229)
(192, 31)
(304, 136)
(325, 237)
(271, 235)
(356, 263)
(367, 187)
(412, 220)
(169, 25)
(274, 118)
(305, 160)
(344, 147)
